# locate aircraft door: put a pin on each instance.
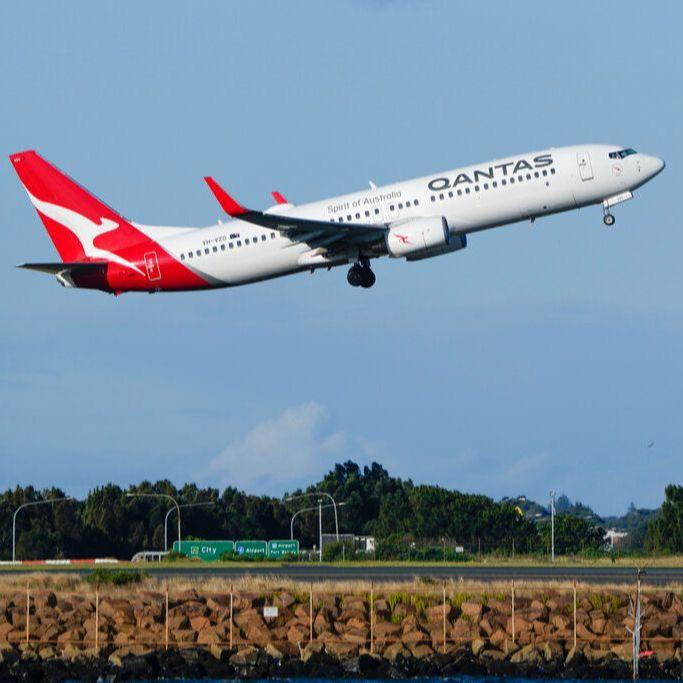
(585, 168)
(152, 266)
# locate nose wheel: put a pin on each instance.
(361, 276)
(608, 219)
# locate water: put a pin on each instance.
(453, 679)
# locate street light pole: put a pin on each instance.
(311, 509)
(321, 493)
(170, 510)
(320, 527)
(552, 526)
(21, 507)
(159, 495)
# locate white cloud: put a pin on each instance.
(280, 453)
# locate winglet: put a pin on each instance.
(230, 206)
(278, 197)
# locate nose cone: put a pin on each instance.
(653, 165)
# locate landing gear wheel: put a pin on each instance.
(608, 219)
(368, 278)
(355, 276)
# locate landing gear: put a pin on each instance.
(608, 219)
(361, 275)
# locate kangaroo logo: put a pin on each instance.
(403, 239)
(85, 229)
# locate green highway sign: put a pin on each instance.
(204, 550)
(251, 548)
(280, 548)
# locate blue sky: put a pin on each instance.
(544, 357)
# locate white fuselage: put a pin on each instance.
(473, 198)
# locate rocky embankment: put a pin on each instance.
(145, 634)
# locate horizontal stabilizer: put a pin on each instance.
(89, 274)
(56, 268)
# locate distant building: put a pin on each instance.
(615, 537)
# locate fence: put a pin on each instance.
(422, 620)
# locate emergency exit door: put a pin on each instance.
(585, 168)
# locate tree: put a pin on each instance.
(665, 532)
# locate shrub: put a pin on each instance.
(174, 556)
(116, 577)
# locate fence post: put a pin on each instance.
(231, 609)
(28, 610)
(444, 617)
(372, 621)
(513, 611)
(166, 620)
(97, 618)
(574, 612)
(310, 614)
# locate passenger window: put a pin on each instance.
(495, 183)
(408, 204)
(190, 254)
(246, 241)
(476, 188)
(272, 234)
(552, 171)
(450, 194)
(223, 246)
(182, 257)
(199, 252)
(357, 216)
(231, 245)
(377, 212)
(528, 176)
(215, 250)
(392, 207)
(433, 197)
(520, 178)
(545, 172)
(459, 193)
(206, 251)
(367, 214)
(263, 238)
(239, 243)
(535, 174)
(503, 182)
(415, 202)
(467, 190)
(348, 218)
(486, 186)
(512, 181)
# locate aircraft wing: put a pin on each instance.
(301, 229)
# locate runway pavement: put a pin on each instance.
(379, 573)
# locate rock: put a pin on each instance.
(492, 653)
(372, 666)
(435, 613)
(341, 650)
(285, 600)
(575, 656)
(472, 609)
(384, 629)
(395, 650)
(553, 652)
(529, 654)
(498, 637)
(219, 653)
(244, 656)
(274, 652)
(420, 650)
(8, 654)
(314, 647)
(477, 646)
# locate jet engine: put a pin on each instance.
(420, 238)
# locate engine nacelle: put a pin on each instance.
(420, 238)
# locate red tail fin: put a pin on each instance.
(72, 216)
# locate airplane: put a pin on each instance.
(412, 220)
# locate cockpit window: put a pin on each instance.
(622, 153)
